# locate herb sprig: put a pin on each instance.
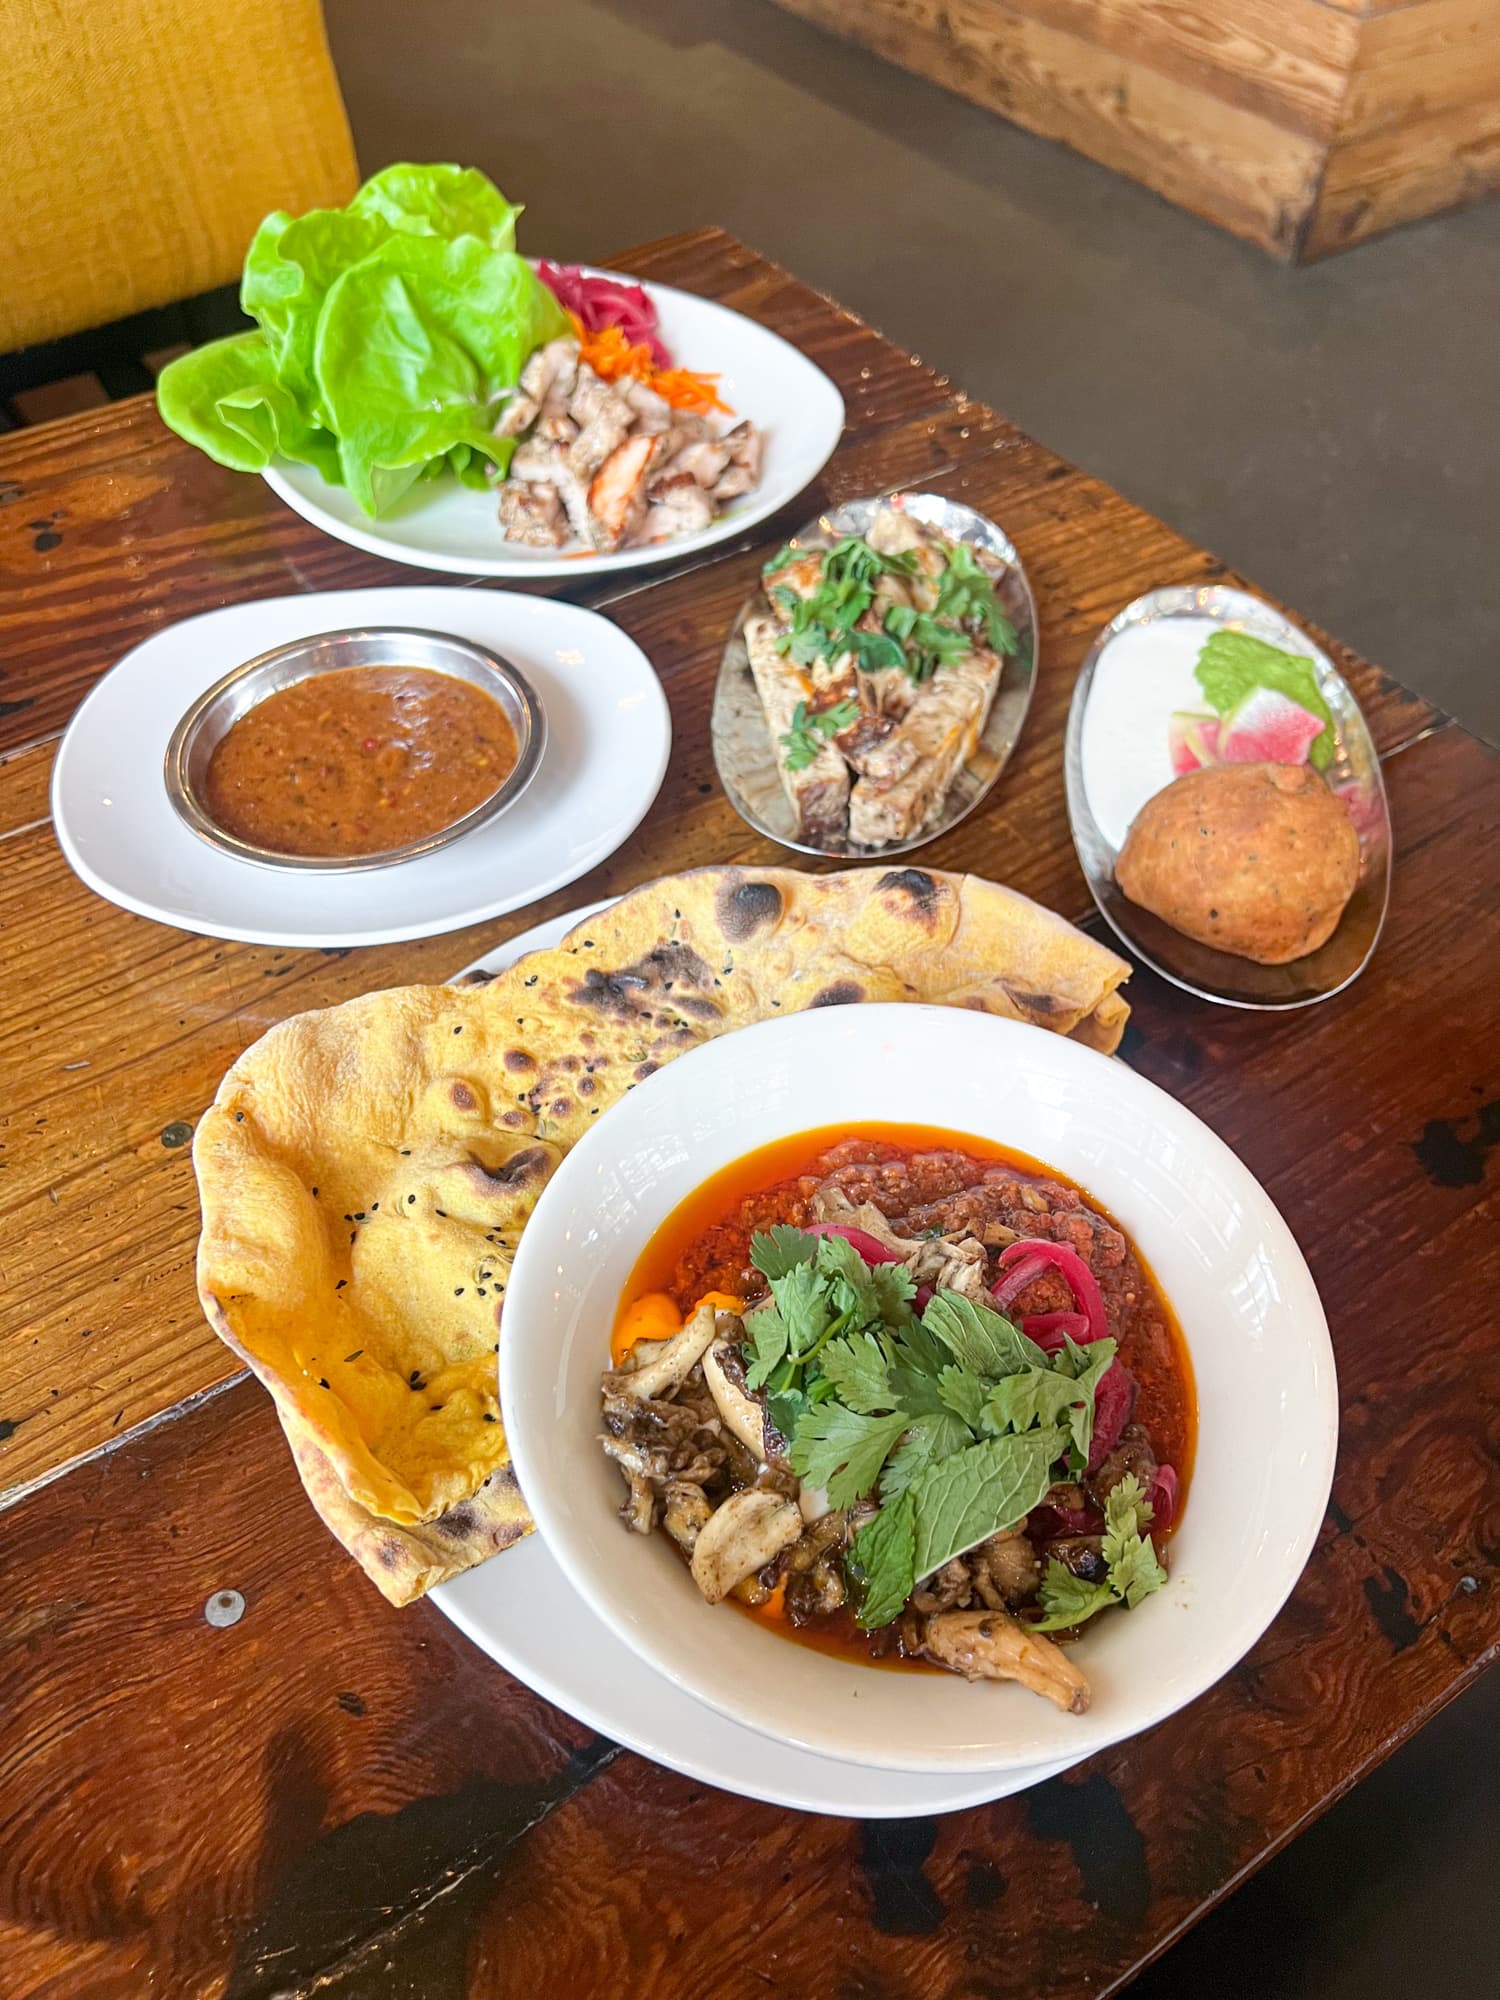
(959, 1420)
(810, 730)
(824, 623)
(1134, 1571)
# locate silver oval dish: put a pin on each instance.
(1354, 771)
(219, 707)
(743, 752)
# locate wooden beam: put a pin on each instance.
(1300, 125)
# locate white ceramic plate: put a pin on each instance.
(521, 1610)
(1268, 1417)
(608, 738)
(442, 525)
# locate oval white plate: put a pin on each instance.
(1268, 1415)
(1138, 670)
(521, 1610)
(609, 734)
(442, 525)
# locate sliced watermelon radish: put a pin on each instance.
(1361, 805)
(1268, 728)
(1192, 740)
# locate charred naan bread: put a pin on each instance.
(366, 1170)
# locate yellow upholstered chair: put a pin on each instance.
(141, 141)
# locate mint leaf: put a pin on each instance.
(768, 1341)
(964, 1394)
(774, 1251)
(1067, 1600)
(858, 1367)
(930, 1438)
(979, 1338)
(879, 1563)
(963, 1499)
(842, 1451)
(1234, 664)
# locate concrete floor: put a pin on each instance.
(1331, 432)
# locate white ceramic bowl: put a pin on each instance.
(1268, 1415)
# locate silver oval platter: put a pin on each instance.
(1137, 680)
(744, 753)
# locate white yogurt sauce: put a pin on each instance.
(1142, 676)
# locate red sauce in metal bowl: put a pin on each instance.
(359, 761)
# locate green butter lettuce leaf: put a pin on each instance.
(1233, 665)
(226, 398)
(389, 334)
(842, 1451)
(439, 200)
(415, 344)
(881, 1563)
(963, 1499)
(290, 265)
(979, 1338)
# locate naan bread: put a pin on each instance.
(366, 1170)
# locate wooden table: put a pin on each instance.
(330, 1794)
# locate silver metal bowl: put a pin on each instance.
(218, 708)
(1354, 773)
(745, 756)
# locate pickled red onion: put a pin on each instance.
(599, 302)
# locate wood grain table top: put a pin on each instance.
(331, 1795)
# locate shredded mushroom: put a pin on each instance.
(741, 1413)
(669, 1366)
(749, 1530)
(989, 1646)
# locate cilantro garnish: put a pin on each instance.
(787, 553)
(966, 593)
(1134, 1571)
(825, 623)
(958, 1421)
(810, 730)
(776, 1250)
